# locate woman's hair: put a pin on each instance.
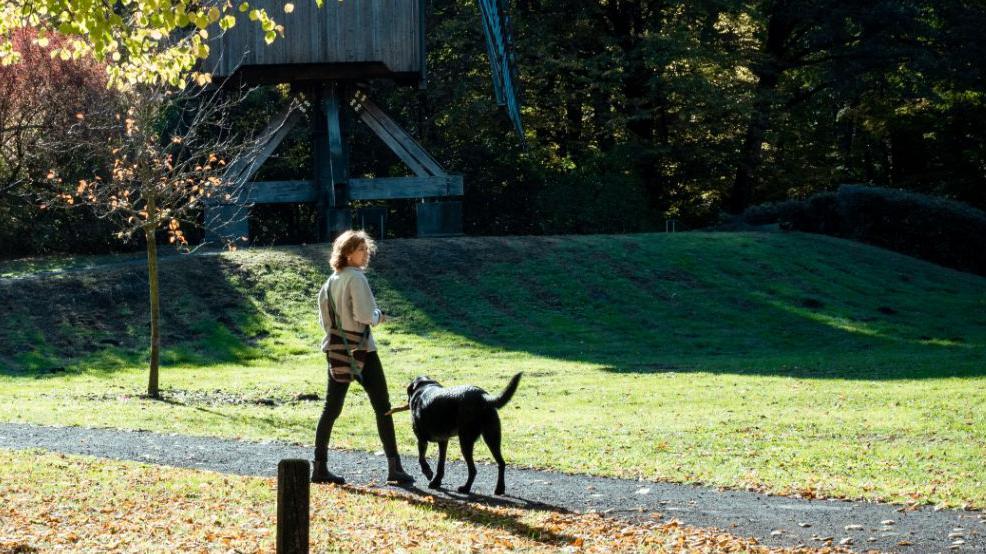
(347, 243)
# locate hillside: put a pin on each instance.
(774, 303)
(788, 363)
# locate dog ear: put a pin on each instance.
(415, 383)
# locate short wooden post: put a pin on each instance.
(292, 506)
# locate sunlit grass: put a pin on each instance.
(787, 363)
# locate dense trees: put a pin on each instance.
(689, 108)
(641, 110)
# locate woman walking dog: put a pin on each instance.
(347, 311)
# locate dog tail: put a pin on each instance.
(507, 394)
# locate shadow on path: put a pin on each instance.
(473, 509)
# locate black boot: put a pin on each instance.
(395, 473)
(321, 474)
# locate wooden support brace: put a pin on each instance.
(396, 138)
(242, 169)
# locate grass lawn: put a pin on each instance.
(788, 363)
(53, 502)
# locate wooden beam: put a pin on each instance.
(281, 192)
(395, 146)
(242, 169)
(405, 187)
(399, 140)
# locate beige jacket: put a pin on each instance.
(354, 300)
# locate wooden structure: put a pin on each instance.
(326, 52)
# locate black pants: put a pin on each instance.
(375, 385)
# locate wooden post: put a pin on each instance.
(331, 161)
(325, 195)
(338, 166)
(292, 506)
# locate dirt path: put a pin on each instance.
(799, 522)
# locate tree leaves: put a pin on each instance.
(145, 42)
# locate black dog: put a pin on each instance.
(438, 413)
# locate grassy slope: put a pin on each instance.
(786, 362)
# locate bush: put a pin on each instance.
(584, 203)
(771, 212)
(935, 229)
(928, 227)
(815, 214)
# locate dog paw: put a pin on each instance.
(427, 472)
(464, 489)
(434, 484)
(500, 491)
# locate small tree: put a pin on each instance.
(170, 151)
(39, 101)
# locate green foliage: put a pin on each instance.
(592, 198)
(139, 42)
(942, 231)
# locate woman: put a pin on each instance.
(346, 301)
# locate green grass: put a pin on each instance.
(789, 363)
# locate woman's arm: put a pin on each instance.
(365, 308)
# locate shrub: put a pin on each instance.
(932, 228)
(771, 212)
(928, 227)
(816, 214)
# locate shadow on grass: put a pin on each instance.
(476, 511)
(785, 305)
(261, 421)
(777, 304)
(99, 321)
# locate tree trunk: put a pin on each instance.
(150, 233)
(751, 154)
(781, 26)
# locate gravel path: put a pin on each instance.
(774, 520)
